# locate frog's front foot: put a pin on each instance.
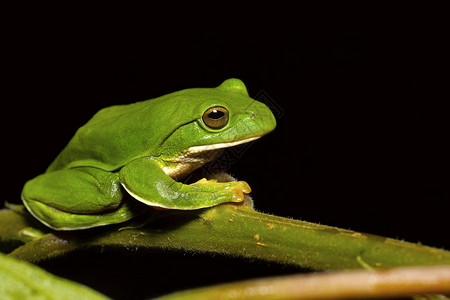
(235, 189)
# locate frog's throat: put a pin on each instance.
(196, 156)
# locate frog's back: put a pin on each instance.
(119, 134)
(112, 138)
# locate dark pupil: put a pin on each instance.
(216, 114)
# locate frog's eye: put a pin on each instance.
(215, 117)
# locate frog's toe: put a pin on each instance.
(239, 189)
(245, 187)
(29, 234)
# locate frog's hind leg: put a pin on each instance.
(60, 220)
(76, 198)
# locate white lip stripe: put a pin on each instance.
(196, 149)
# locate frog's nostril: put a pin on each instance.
(253, 116)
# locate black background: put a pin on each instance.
(361, 93)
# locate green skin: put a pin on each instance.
(142, 149)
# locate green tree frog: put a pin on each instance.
(143, 149)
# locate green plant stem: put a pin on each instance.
(238, 230)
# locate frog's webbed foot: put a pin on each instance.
(222, 176)
(237, 189)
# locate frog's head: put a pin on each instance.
(219, 117)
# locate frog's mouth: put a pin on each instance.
(202, 148)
